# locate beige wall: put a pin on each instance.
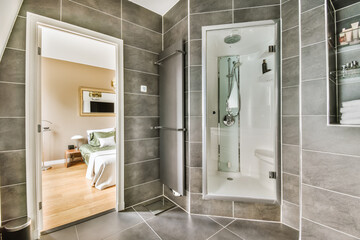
(61, 82)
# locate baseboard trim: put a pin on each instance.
(54, 162)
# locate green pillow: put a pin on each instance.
(94, 137)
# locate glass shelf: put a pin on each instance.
(347, 76)
(351, 37)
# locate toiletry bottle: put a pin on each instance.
(355, 30)
(348, 33)
(264, 67)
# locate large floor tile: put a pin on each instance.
(141, 231)
(107, 225)
(67, 233)
(225, 235)
(177, 224)
(251, 230)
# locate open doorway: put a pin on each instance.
(75, 103)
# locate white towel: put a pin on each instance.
(350, 115)
(351, 103)
(351, 109)
(350, 121)
(233, 101)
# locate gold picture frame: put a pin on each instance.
(97, 92)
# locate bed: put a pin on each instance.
(100, 158)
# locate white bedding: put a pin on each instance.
(101, 169)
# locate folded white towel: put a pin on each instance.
(350, 121)
(351, 109)
(350, 115)
(351, 103)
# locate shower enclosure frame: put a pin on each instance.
(277, 115)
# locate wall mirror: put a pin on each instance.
(97, 102)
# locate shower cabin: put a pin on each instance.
(240, 69)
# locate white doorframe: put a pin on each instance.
(33, 113)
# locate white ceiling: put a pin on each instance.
(159, 6)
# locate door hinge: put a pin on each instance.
(272, 48)
(40, 205)
(39, 51)
(272, 175)
(39, 128)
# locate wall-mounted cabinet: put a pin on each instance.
(343, 62)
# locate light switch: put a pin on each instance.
(143, 88)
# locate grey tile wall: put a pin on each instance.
(142, 35)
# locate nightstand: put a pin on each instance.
(71, 153)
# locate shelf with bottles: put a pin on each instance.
(347, 75)
(350, 36)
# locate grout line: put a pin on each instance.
(288, 29)
(18, 49)
(235, 234)
(332, 153)
(142, 94)
(12, 117)
(175, 24)
(312, 44)
(217, 11)
(222, 228)
(344, 19)
(285, 2)
(141, 184)
(17, 150)
(294, 86)
(17, 83)
(332, 191)
(142, 49)
(95, 9)
(188, 134)
(292, 145)
(13, 185)
(295, 175)
(77, 234)
(297, 205)
(141, 26)
(141, 139)
(290, 226)
(139, 71)
(322, 5)
(313, 79)
(147, 224)
(330, 228)
(300, 120)
(143, 202)
(144, 161)
(287, 58)
(176, 204)
(117, 232)
(262, 6)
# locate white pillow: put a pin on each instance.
(98, 130)
(109, 141)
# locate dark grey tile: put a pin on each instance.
(142, 193)
(290, 14)
(199, 6)
(313, 61)
(182, 201)
(137, 59)
(222, 220)
(133, 81)
(211, 206)
(338, 4)
(318, 136)
(291, 215)
(348, 12)
(290, 131)
(136, 128)
(13, 202)
(335, 172)
(291, 188)
(178, 32)
(195, 131)
(195, 54)
(140, 37)
(112, 7)
(195, 154)
(12, 66)
(257, 14)
(196, 180)
(91, 19)
(47, 8)
(314, 97)
(141, 105)
(290, 101)
(195, 103)
(67, 233)
(175, 14)
(349, 92)
(331, 209)
(195, 78)
(14, 97)
(251, 230)
(313, 26)
(17, 37)
(207, 19)
(12, 167)
(290, 43)
(187, 178)
(187, 226)
(225, 235)
(260, 211)
(290, 72)
(332, 99)
(139, 150)
(107, 225)
(141, 231)
(290, 158)
(143, 172)
(14, 130)
(251, 3)
(141, 16)
(310, 4)
(313, 231)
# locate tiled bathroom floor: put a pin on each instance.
(138, 223)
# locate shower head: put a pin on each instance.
(236, 64)
(232, 38)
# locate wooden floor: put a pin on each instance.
(68, 196)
